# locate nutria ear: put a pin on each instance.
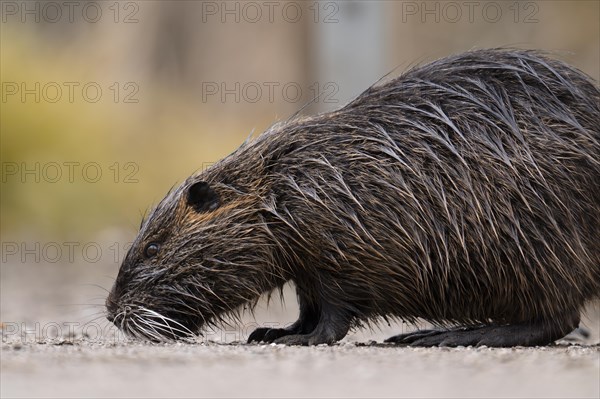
(202, 197)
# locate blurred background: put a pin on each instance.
(106, 105)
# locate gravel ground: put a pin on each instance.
(82, 368)
(42, 356)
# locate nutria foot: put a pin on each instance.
(265, 334)
(524, 334)
(312, 328)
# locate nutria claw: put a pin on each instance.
(265, 334)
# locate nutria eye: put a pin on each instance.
(151, 250)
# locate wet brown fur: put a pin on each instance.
(466, 191)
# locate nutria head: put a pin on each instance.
(199, 255)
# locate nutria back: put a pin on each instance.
(466, 191)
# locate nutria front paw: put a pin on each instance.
(306, 339)
(295, 339)
(279, 336)
(265, 334)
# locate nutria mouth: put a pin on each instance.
(146, 324)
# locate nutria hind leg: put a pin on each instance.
(307, 321)
(521, 334)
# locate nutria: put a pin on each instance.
(465, 192)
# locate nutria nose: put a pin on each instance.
(111, 308)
